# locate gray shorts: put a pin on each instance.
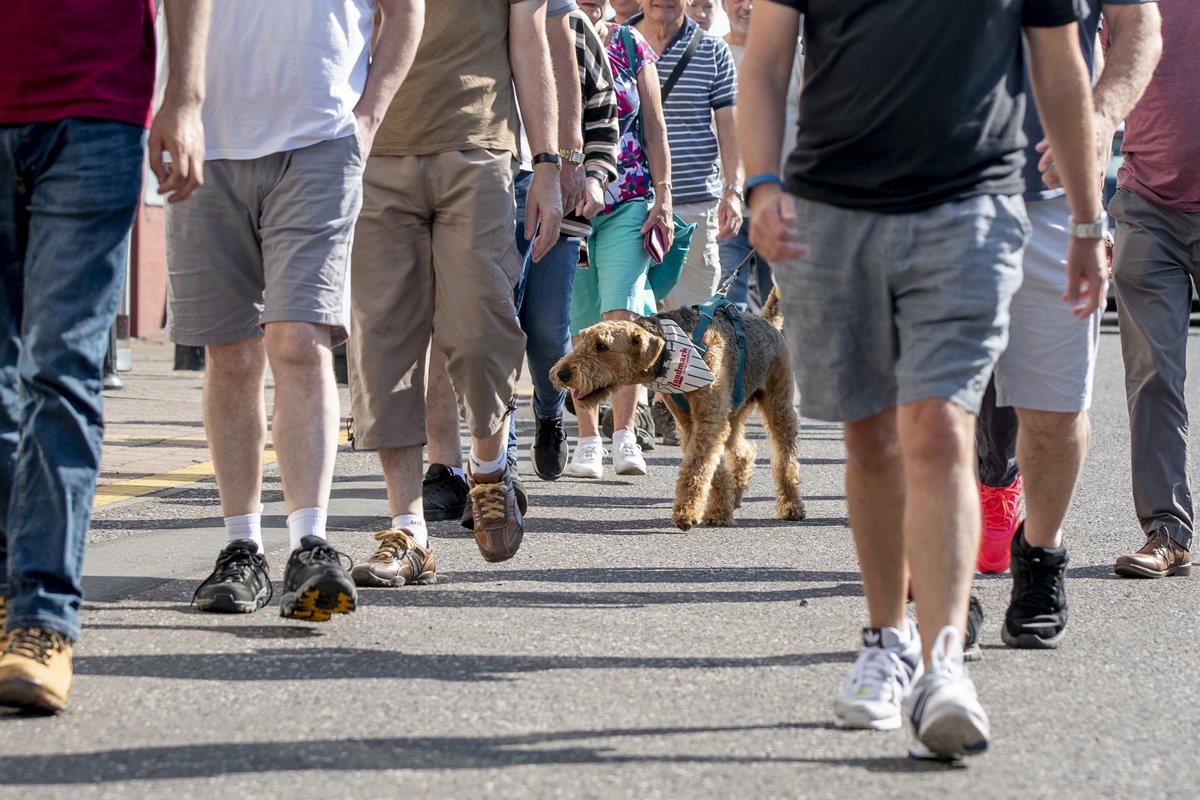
(889, 309)
(1051, 356)
(264, 240)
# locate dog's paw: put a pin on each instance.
(718, 520)
(684, 521)
(790, 511)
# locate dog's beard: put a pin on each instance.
(591, 397)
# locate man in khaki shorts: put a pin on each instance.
(435, 256)
(257, 266)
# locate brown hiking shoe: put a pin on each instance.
(1159, 557)
(3, 620)
(35, 670)
(398, 561)
(499, 523)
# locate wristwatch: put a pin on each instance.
(1088, 230)
(600, 175)
(547, 158)
(735, 189)
(571, 156)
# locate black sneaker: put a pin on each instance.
(643, 425)
(1037, 613)
(971, 649)
(468, 516)
(549, 453)
(239, 584)
(315, 584)
(443, 493)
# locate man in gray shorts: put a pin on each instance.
(1045, 373)
(898, 247)
(257, 266)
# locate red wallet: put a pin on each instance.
(655, 245)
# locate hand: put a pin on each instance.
(1087, 277)
(662, 216)
(1104, 140)
(543, 210)
(729, 216)
(771, 225)
(179, 132)
(572, 181)
(592, 202)
(365, 129)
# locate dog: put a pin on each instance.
(717, 460)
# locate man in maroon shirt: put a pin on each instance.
(1156, 261)
(76, 82)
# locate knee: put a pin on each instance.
(297, 346)
(936, 434)
(1051, 429)
(872, 443)
(239, 361)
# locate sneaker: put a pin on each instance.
(35, 670)
(549, 453)
(628, 460)
(468, 516)
(643, 425)
(971, 649)
(882, 676)
(947, 720)
(587, 461)
(1001, 516)
(443, 494)
(499, 521)
(664, 423)
(239, 584)
(315, 584)
(398, 561)
(1037, 613)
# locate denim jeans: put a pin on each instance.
(735, 250)
(543, 308)
(68, 194)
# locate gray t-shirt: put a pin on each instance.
(901, 114)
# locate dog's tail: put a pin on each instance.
(771, 311)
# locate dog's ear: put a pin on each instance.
(639, 340)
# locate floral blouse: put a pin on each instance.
(633, 168)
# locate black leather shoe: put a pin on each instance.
(549, 453)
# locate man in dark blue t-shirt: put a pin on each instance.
(898, 247)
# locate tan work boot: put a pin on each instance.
(1159, 557)
(398, 561)
(499, 524)
(35, 670)
(3, 621)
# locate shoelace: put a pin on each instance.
(324, 552)
(238, 564)
(945, 659)
(590, 452)
(36, 643)
(877, 667)
(630, 450)
(1042, 585)
(392, 545)
(493, 501)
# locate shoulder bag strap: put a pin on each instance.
(683, 62)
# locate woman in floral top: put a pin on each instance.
(614, 286)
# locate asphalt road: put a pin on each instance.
(613, 657)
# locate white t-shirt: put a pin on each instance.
(283, 74)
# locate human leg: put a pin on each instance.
(702, 268)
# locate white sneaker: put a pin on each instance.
(881, 678)
(946, 717)
(587, 461)
(628, 460)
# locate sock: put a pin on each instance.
(245, 526)
(305, 522)
(459, 471)
(622, 435)
(480, 467)
(589, 440)
(414, 525)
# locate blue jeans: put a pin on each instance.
(733, 251)
(68, 193)
(543, 308)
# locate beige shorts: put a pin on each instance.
(264, 240)
(435, 255)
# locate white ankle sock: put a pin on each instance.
(481, 467)
(305, 522)
(414, 525)
(621, 435)
(459, 471)
(245, 526)
(589, 440)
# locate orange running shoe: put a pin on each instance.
(1001, 516)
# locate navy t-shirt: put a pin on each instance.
(912, 103)
(1034, 132)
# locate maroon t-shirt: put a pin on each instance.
(1162, 133)
(76, 58)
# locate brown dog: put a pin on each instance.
(717, 459)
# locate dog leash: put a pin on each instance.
(723, 289)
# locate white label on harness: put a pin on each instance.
(684, 369)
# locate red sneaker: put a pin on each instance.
(1001, 516)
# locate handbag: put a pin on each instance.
(662, 276)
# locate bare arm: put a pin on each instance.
(529, 56)
(1064, 98)
(395, 48)
(763, 95)
(729, 212)
(658, 153)
(570, 105)
(177, 128)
